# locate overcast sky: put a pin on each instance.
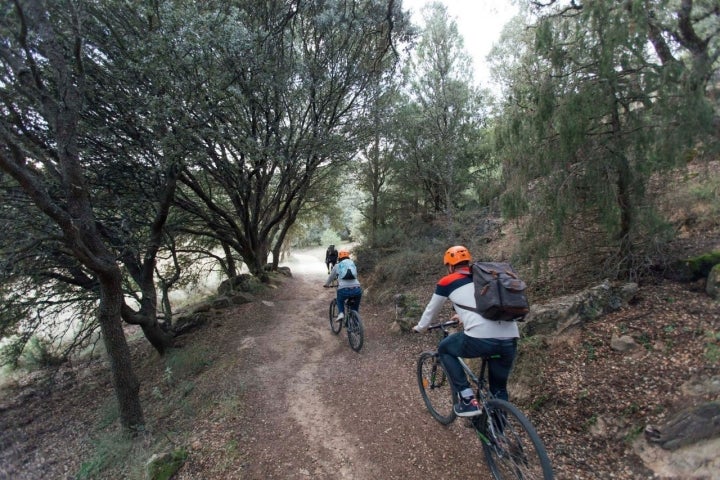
(479, 22)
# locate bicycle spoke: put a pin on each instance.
(354, 330)
(335, 324)
(512, 447)
(435, 388)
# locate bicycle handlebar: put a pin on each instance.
(444, 325)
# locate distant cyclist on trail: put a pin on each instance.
(345, 272)
(331, 257)
(480, 337)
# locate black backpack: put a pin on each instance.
(499, 292)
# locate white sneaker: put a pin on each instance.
(340, 316)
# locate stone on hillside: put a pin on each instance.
(701, 385)
(692, 269)
(623, 344)
(712, 285)
(572, 310)
(241, 283)
(697, 461)
(221, 302)
(164, 465)
(285, 271)
(241, 298)
(407, 312)
(687, 427)
(189, 322)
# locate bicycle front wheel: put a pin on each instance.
(435, 387)
(335, 324)
(355, 330)
(512, 447)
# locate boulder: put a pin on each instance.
(624, 343)
(573, 310)
(407, 312)
(241, 283)
(164, 465)
(688, 426)
(712, 284)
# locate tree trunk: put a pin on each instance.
(624, 199)
(126, 385)
(231, 268)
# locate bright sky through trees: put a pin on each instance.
(479, 22)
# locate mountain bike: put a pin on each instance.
(512, 447)
(352, 321)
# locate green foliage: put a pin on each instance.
(712, 347)
(590, 422)
(404, 266)
(164, 470)
(109, 413)
(645, 341)
(438, 138)
(590, 116)
(111, 452)
(184, 363)
(634, 433)
(590, 351)
(30, 353)
(701, 265)
(708, 191)
(539, 402)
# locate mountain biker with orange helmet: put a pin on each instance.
(480, 337)
(345, 272)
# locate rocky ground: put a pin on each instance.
(271, 393)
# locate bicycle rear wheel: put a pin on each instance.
(435, 387)
(355, 330)
(335, 324)
(512, 447)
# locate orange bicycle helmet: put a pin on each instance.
(455, 255)
(342, 254)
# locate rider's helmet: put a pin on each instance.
(456, 254)
(342, 254)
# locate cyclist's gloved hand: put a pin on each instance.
(419, 329)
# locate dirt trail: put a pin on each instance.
(272, 394)
(292, 384)
(276, 395)
(313, 408)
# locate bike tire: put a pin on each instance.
(335, 324)
(435, 388)
(512, 446)
(355, 330)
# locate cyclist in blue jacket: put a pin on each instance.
(480, 337)
(345, 272)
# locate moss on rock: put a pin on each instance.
(701, 265)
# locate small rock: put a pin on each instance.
(623, 344)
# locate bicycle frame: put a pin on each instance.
(510, 443)
(481, 391)
(478, 380)
(351, 321)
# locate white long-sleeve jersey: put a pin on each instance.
(458, 287)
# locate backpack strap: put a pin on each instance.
(469, 274)
(466, 308)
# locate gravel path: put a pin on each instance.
(316, 409)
